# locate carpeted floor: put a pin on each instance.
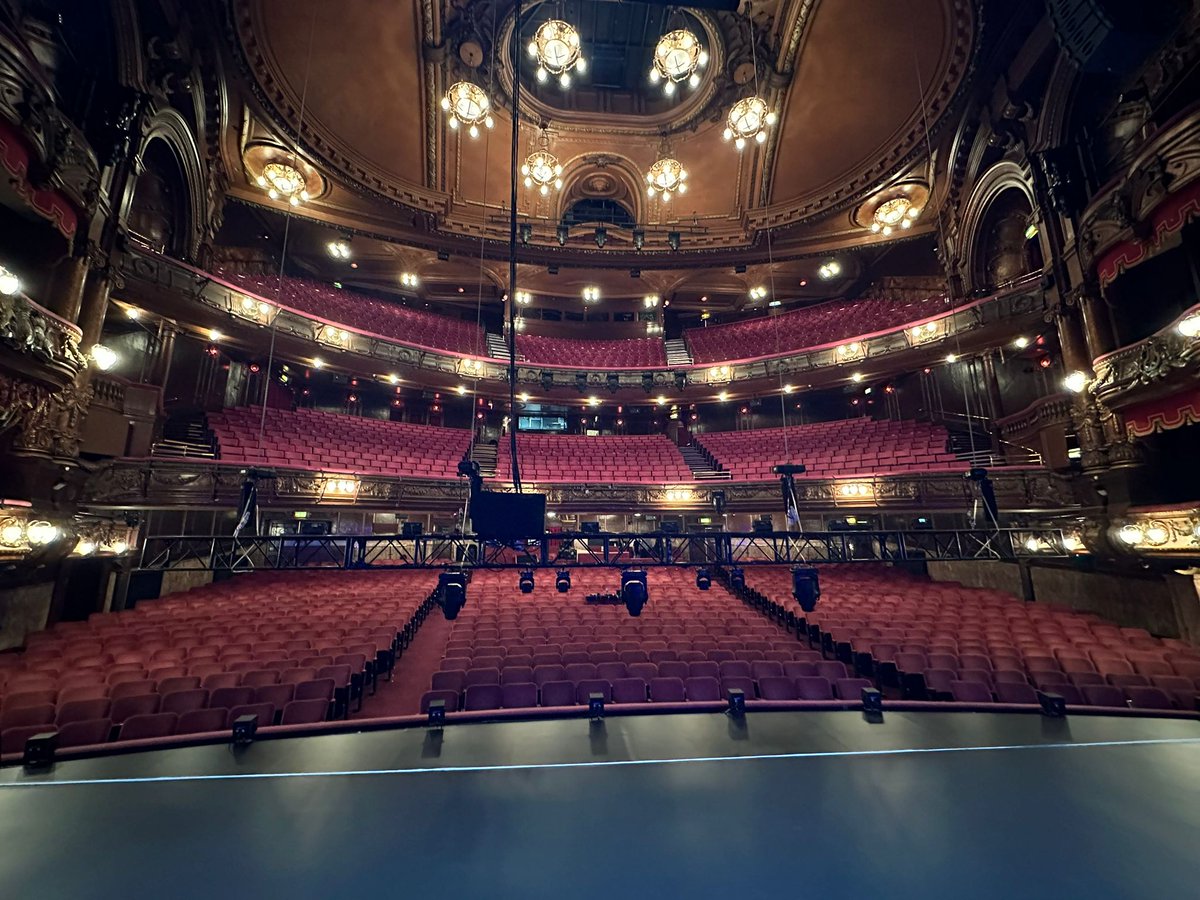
(402, 695)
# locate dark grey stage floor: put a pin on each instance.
(820, 804)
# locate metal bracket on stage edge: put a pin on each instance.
(573, 549)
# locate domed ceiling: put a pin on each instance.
(359, 84)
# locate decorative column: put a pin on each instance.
(992, 385)
(160, 368)
(1071, 340)
(1097, 326)
(65, 292)
(95, 305)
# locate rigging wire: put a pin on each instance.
(287, 224)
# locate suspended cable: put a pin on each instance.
(287, 224)
(513, 420)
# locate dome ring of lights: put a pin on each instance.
(557, 48)
(896, 209)
(467, 105)
(666, 177)
(677, 56)
(280, 174)
(748, 120)
(543, 171)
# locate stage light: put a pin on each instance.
(601, 237)
(806, 587)
(1190, 326)
(639, 239)
(562, 233)
(452, 586)
(244, 728)
(951, 357)
(856, 377)
(318, 363)
(437, 713)
(39, 749)
(1053, 705)
(737, 577)
(634, 592)
(681, 379)
(872, 700)
(596, 705)
(737, 702)
(703, 579)
(673, 239)
(562, 581)
(1021, 343)
(525, 581)
(526, 232)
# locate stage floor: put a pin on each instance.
(823, 804)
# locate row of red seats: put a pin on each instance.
(810, 326)
(630, 459)
(599, 354)
(383, 317)
(324, 441)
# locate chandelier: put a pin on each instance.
(677, 57)
(283, 182)
(748, 119)
(890, 214)
(556, 48)
(544, 170)
(665, 177)
(468, 105)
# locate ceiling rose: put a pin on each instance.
(899, 212)
(468, 105)
(665, 177)
(556, 47)
(749, 119)
(283, 182)
(543, 170)
(676, 58)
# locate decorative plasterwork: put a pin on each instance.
(47, 348)
(1125, 210)
(1156, 366)
(44, 422)
(1168, 531)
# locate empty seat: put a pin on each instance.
(518, 695)
(483, 696)
(702, 689)
(304, 712)
(229, 697)
(1012, 692)
(667, 690)
(813, 688)
(139, 705)
(153, 725)
(558, 693)
(970, 692)
(450, 698)
(198, 721)
(629, 690)
(84, 733)
(777, 687)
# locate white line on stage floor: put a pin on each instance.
(596, 764)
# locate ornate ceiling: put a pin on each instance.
(355, 88)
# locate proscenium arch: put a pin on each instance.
(1003, 176)
(620, 168)
(169, 126)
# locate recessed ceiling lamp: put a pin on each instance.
(757, 293)
(408, 279)
(542, 170)
(665, 177)
(898, 212)
(556, 47)
(650, 301)
(524, 298)
(676, 58)
(591, 294)
(831, 269)
(339, 249)
(469, 106)
(283, 182)
(748, 120)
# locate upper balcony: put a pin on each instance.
(390, 341)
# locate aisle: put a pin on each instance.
(402, 695)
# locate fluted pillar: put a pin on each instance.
(1072, 341)
(94, 307)
(1097, 326)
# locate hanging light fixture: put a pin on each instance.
(749, 119)
(899, 212)
(283, 182)
(677, 56)
(666, 177)
(468, 106)
(543, 170)
(556, 48)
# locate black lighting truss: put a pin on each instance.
(580, 550)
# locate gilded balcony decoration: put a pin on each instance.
(1161, 365)
(1172, 531)
(40, 344)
